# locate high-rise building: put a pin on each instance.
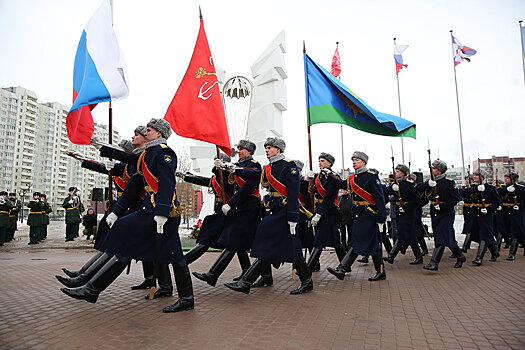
(498, 166)
(33, 142)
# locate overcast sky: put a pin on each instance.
(39, 40)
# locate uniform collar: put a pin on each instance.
(276, 158)
(156, 142)
(361, 170)
(439, 177)
(245, 159)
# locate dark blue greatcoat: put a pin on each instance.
(365, 233)
(468, 226)
(273, 241)
(135, 235)
(406, 219)
(213, 224)
(418, 226)
(443, 219)
(326, 232)
(484, 223)
(245, 214)
(515, 218)
(304, 231)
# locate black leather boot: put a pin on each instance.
(305, 275)
(195, 253)
(345, 265)
(251, 275)
(340, 252)
(244, 261)
(481, 252)
(87, 275)
(148, 270)
(386, 242)
(77, 273)
(436, 258)
(162, 272)
(494, 252)
(459, 256)
(378, 265)
(393, 253)
(417, 254)
(513, 249)
(499, 239)
(184, 290)
(466, 243)
(423, 245)
(364, 259)
(266, 279)
(217, 268)
(102, 279)
(313, 260)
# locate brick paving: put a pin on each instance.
(470, 308)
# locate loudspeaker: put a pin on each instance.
(419, 176)
(97, 195)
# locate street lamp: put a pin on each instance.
(24, 190)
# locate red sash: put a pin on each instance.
(360, 192)
(241, 183)
(279, 187)
(126, 175)
(302, 200)
(151, 180)
(217, 188)
(322, 190)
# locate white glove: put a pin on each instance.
(380, 226)
(516, 207)
(483, 210)
(395, 187)
(226, 208)
(2, 200)
(499, 208)
(308, 224)
(109, 164)
(437, 207)
(217, 163)
(228, 166)
(432, 183)
(511, 188)
(95, 143)
(160, 220)
(401, 210)
(326, 171)
(292, 227)
(111, 218)
(316, 219)
(481, 188)
(75, 197)
(310, 175)
(70, 201)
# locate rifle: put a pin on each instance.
(395, 178)
(436, 195)
(479, 178)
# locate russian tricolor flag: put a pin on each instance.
(461, 53)
(99, 75)
(398, 50)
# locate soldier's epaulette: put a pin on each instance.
(517, 184)
(163, 145)
(288, 160)
(371, 172)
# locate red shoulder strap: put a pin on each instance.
(240, 181)
(279, 187)
(218, 189)
(361, 192)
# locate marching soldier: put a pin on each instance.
(443, 197)
(46, 209)
(369, 212)
(324, 221)
(35, 219)
(5, 207)
(74, 208)
(242, 212)
(13, 217)
(407, 200)
(485, 200)
(275, 239)
(499, 219)
(513, 195)
(418, 226)
(470, 235)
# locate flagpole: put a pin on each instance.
(342, 144)
(399, 104)
(110, 141)
(522, 51)
(459, 115)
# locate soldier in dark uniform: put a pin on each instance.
(5, 207)
(325, 218)
(443, 197)
(499, 219)
(418, 225)
(513, 195)
(346, 219)
(368, 207)
(242, 212)
(74, 209)
(467, 214)
(46, 210)
(275, 240)
(485, 200)
(34, 219)
(151, 233)
(13, 217)
(407, 200)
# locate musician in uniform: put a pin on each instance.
(46, 210)
(74, 209)
(5, 207)
(324, 221)
(368, 208)
(513, 195)
(34, 219)
(443, 196)
(275, 239)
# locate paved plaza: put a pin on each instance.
(469, 308)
